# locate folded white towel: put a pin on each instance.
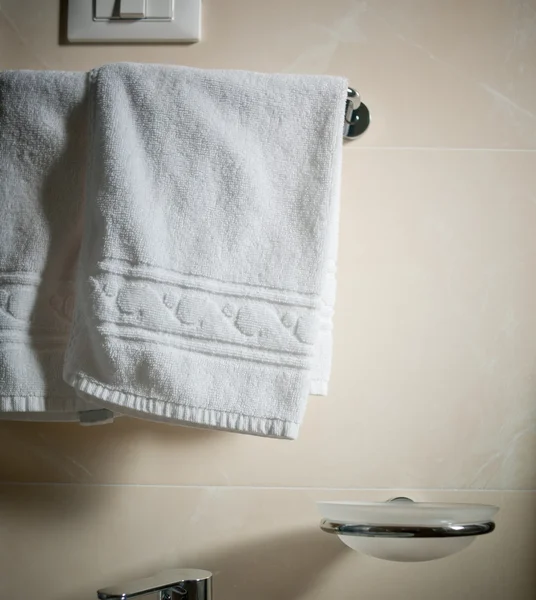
(208, 240)
(321, 369)
(43, 119)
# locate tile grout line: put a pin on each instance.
(355, 147)
(253, 487)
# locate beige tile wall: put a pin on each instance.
(434, 381)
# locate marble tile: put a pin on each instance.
(434, 372)
(64, 542)
(14, 52)
(435, 333)
(435, 73)
(435, 347)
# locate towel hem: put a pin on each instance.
(53, 409)
(161, 410)
(37, 403)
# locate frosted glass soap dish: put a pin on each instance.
(407, 531)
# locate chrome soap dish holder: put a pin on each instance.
(407, 531)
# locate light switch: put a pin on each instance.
(159, 9)
(154, 9)
(104, 9)
(132, 9)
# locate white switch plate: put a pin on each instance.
(185, 26)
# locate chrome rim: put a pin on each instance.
(407, 531)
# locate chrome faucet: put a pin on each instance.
(175, 584)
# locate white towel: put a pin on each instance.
(321, 369)
(208, 239)
(42, 154)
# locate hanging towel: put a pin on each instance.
(209, 239)
(43, 119)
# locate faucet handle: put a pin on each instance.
(186, 584)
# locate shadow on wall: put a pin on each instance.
(63, 15)
(71, 453)
(286, 567)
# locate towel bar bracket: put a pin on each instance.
(357, 116)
